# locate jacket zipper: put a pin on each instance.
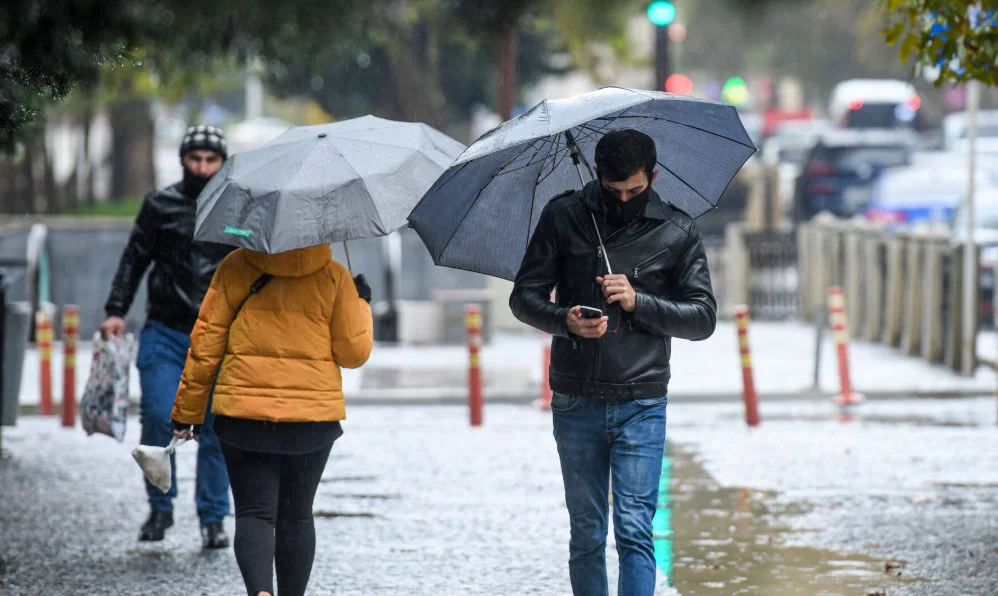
(652, 259)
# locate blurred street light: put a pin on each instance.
(679, 84)
(661, 14)
(735, 91)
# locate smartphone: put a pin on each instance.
(589, 312)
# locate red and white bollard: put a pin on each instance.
(473, 321)
(544, 403)
(748, 380)
(70, 340)
(43, 337)
(837, 316)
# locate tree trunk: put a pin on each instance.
(417, 84)
(507, 71)
(133, 138)
(87, 169)
(52, 195)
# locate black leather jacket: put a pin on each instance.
(181, 268)
(661, 254)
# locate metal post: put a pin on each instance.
(748, 380)
(3, 316)
(70, 333)
(970, 255)
(473, 321)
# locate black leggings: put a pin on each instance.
(273, 495)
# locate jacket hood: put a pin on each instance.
(293, 263)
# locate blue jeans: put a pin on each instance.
(161, 358)
(596, 440)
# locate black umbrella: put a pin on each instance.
(480, 213)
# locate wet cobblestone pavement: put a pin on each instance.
(414, 501)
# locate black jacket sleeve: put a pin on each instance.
(691, 311)
(539, 272)
(134, 260)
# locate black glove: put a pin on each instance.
(363, 289)
(194, 428)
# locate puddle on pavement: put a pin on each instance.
(715, 540)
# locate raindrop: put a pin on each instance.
(363, 60)
(316, 83)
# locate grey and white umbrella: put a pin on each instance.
(321, 184)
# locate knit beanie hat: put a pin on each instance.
(209, 138)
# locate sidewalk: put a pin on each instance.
(782, 354)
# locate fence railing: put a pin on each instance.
(903, 289)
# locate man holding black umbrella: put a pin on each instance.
(618, 253)
(181, 271)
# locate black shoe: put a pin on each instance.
(155, 527)
(213, 536)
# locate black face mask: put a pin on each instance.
(619, 213)
(194, 184)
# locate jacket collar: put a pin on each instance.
(590, 196)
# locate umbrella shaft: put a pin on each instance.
(346, 249)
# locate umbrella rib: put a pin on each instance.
(478, 195)
(677, 177)
(710, 132)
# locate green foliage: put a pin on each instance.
(967, 49)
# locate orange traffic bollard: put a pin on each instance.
(837, 316)
(748, 380)
(70, 337)
(473, 321)
(43, 337)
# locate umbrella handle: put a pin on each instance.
(346, 249)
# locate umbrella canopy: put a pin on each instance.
(480, 214)
(320, 184)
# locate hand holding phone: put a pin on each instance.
(590, 325)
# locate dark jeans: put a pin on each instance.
(598, 440)
(274, 494)
(161, 358)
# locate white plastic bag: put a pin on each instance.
(104, 405)
(155, 463)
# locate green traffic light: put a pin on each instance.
(661, 13)
(735, 91)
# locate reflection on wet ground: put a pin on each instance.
(715, 540)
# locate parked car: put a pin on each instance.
(924, 191)
(875, 103)
(986, 238)
(842, 166)
(787, 150)
(954, 129)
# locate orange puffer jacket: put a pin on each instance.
(284, 350)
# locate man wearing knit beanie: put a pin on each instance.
(181, 272)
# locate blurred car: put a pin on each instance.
(928, 191)
(787, 150)
(841, 168)
(954, 128)
(875, 103)
(986, 238)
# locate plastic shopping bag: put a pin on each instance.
(155, 463)
(104, 405)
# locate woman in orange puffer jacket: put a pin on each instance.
(278, 395)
